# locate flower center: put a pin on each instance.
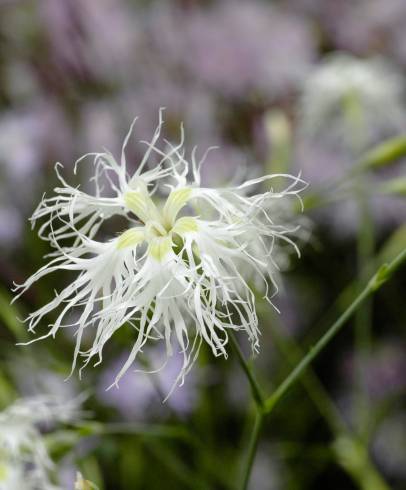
(158, 225)
(141, 204)
(155, 229)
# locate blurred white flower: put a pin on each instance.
(389, 444)
(352, 102)
(175, 275)
(24, 460)
(349, 105)
(33, 376)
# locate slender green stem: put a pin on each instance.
(255, 387)
(252, 449)
(259, 398)
(352, 455)
(394, 245)
(363, 317)
(381, 276)
(367, 473)
(314, 351)
(315, 389)
(264, 407)
(9, 314)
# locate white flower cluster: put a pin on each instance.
(347, 97)
(24, 460)
(179, 272)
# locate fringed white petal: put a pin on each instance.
(183, 276)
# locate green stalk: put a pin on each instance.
(363, 317)
(265, 407)
(316, 391)
(383, 274)
(9, 315)
(359, 465)
(259, 399)
(252, 449)
(393, 245)
(353, 456)
(256, 390)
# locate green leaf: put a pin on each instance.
(384, 154)
(9, 316)
(395, 186)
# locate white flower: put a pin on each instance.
(24, 460)
(177, 274)
(348, 98)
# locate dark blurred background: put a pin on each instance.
(294, 86)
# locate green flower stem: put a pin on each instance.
(363, 317)
(316, 391)
(265, 407)
(363, 473)
(383, 274)
(353, 456)
(256, 390)
(393, 245)
(259, 400)
(9, 314)
(252, 449)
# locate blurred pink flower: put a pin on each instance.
(384, 369)
(10, 225)
(30, 136)
(236, 47)
(362, 27)
(92, 37)
(139, 396)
